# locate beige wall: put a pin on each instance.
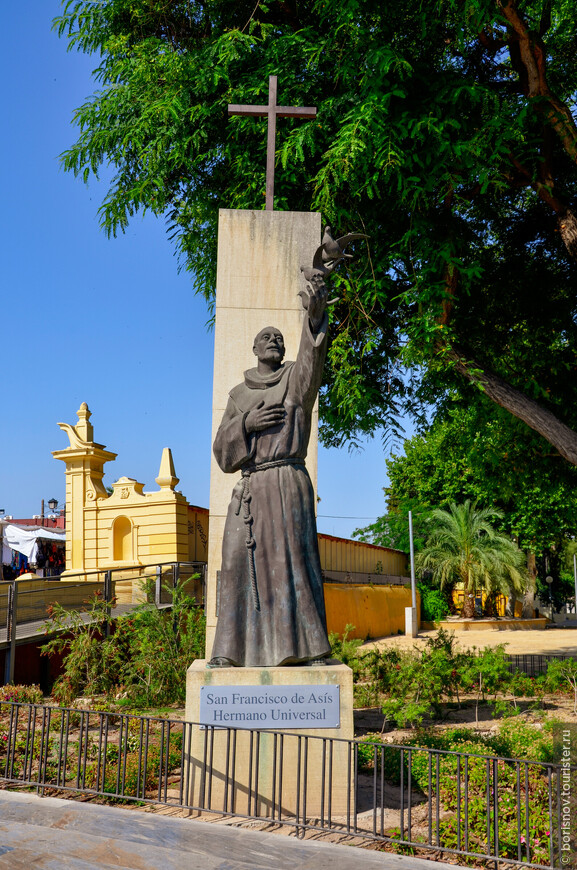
(339, 554)
(197, 534)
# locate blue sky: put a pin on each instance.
(108, 322)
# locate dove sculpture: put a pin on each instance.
(327, 256)
(333, 250)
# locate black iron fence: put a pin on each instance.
(23, 604)
(411, 798)
(534, 664)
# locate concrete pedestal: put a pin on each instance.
(299, 772)
(411, 622)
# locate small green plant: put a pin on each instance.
(562, 674)
(520, 686)
(505, 709)
(365, 695)
(345, 649)
(485, 673)
(367, 753)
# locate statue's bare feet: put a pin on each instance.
(220, 662)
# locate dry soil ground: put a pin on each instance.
(550, 640)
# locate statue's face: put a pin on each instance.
(269, 345)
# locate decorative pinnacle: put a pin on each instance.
(84, 429)
(167, 479)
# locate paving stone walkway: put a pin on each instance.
(53, 834)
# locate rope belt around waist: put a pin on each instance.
(246, 499)
(274, 463)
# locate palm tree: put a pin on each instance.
(464, 546)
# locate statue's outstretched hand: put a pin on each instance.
(263, 418)
(314, 300)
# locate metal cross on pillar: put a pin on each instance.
(272, 111)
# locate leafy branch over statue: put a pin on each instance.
(448, 130)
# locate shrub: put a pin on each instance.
(516, 739)
(420, 681)
(162, 644)
(91, 660)
(434, 604)
(562, 674)
(345, 649)
(145, 658)
(21, 694)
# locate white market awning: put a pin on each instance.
(24, 539)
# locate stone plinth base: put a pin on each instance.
(293, 773)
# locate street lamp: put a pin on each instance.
(52, 504)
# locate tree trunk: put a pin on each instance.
(529, 596)
(490, 608)
(468, 599)
(534, 415)
(510, 607)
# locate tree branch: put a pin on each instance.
(566, 218)
(528, 58)
(517, 403)
(451, 280)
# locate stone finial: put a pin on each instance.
(84, 429)
(167, 479)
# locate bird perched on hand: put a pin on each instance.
(333, 250)
(330, 252)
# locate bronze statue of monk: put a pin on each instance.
(271, 608)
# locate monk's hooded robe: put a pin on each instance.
(270, 601)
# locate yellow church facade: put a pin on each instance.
(128, 526)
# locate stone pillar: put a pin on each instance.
(258, 280)
(84, 460)
(411, 622)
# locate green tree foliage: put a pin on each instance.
(463, 545)
(480, 452)
(444, 131)
(434, 604)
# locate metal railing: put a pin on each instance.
(479, 806)
(534, 664)
(26, 603)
